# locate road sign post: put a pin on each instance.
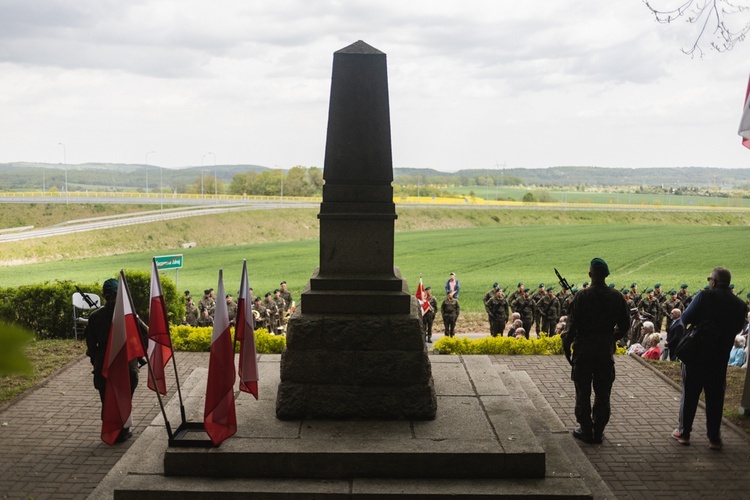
(164, 262)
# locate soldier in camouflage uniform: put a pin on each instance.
(498, 312)
(281, 306)
(635, 295)
(549, 307)
(487, 299)
(684, 295)
(272, 313)
(598, 318)
(191, 313)
(536, 298)
(518, 292)
(525, 307)
(261, 319)
(628, 300)
(650, 307)
(206, 308)
(287, 296)
(450, 310)
(231, 309)
(429, 316)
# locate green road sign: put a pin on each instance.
(168, 262)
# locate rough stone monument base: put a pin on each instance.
(344, 366)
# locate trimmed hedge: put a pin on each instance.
(503, 345)
(198, 339)
(47, 309)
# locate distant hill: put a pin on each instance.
(116, 176)
(110, 176)
(600, 176)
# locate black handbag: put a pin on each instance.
(697, 343)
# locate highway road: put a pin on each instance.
(106, 222)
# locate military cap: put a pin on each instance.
(495, 284)
(550, 288)
(649, 290)
(585, 283)
(625, 291)
(633, 285)
(672, 292)
(268, 294)
(748, 295)
(599, 264)
(282, 283)
(187, 292)
(210, 289)
(256, 299)
(541, 285)
(428, 288)
(706, 287)
(206, 291)
(228, 295)
(251, 289)
(611, 285)
(277, 291)
(657, 285)
(453, 274)
(574, 290)
(731, 286)
(519, 284)
(684, 285)
(110, 286)
(526, 289)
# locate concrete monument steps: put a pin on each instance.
(494, 436)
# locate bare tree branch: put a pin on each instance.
(725, 21)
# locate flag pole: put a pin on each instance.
(141, 324)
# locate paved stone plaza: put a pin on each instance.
(50, 445)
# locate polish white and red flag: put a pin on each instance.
(245, 335)
(744, 130)
(421, 296)
(219, 417)
(159, 341)
(124, 345)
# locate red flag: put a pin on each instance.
(159, 341)
(219, 415)
(421, 296)
(124, 345)
(744, 130)
(245, 334)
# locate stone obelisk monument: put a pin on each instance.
(355, 347)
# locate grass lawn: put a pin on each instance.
(733, 395)
(46, 357)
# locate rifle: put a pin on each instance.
(86, 298)
(563, 281)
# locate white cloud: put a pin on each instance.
(534, 83)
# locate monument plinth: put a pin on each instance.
(355, 347)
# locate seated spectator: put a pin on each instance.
(520, 332)
(737, 356)
(515, 324)
(647, 328)
(652, 344)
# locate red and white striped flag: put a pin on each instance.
(159, 341)
(744, 130)
(245, 334)
(421, 296)
(124, 345)
(219, 417)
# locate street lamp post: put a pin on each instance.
(216, 182)
(65, 165)
(148, 153)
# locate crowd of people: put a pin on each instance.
(270, 313)
(546, 310)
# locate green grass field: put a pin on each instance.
(636, 253)
(505, 192)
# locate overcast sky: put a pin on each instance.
(473, 84)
